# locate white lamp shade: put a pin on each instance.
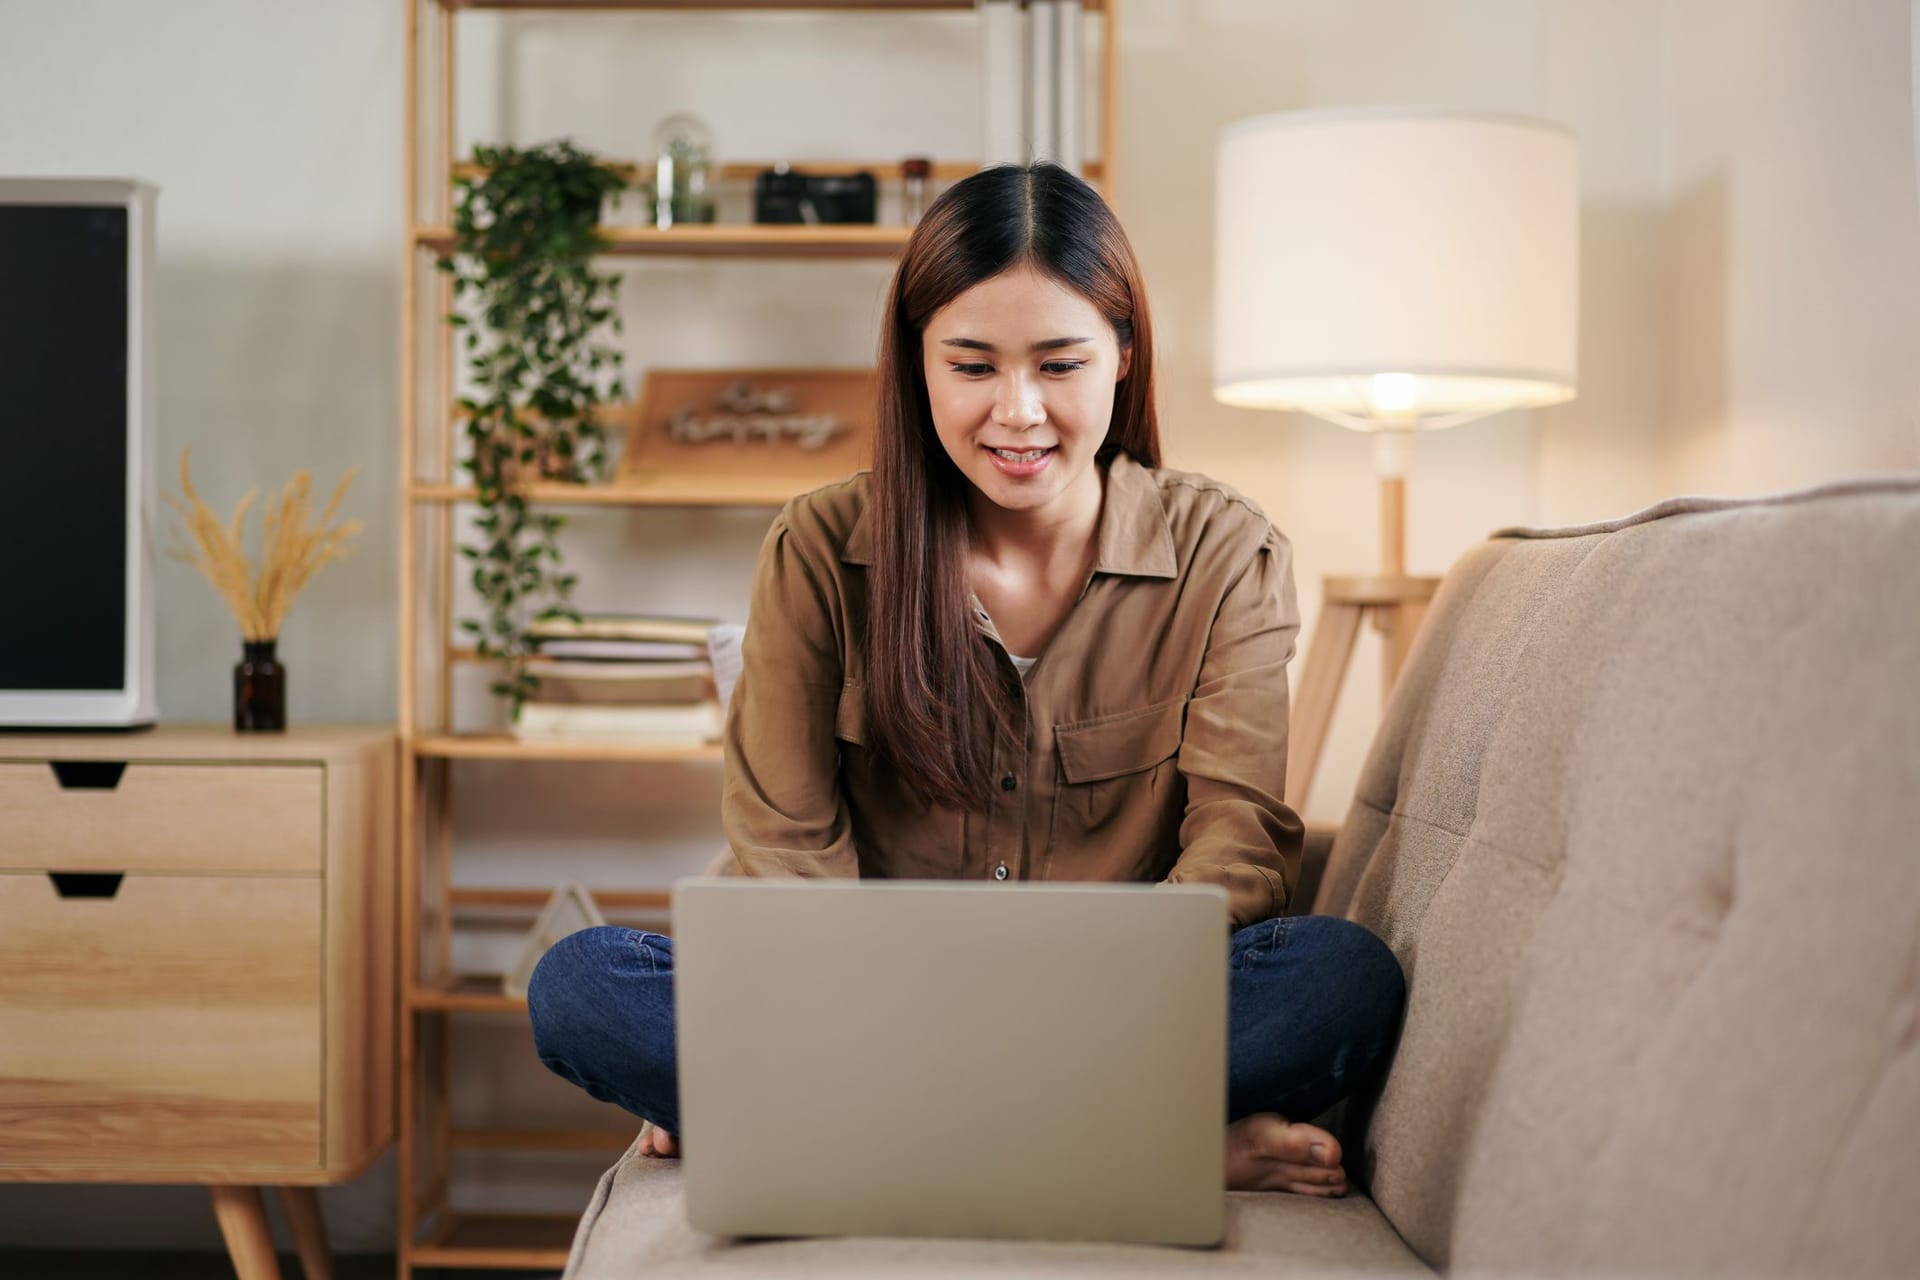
(1391, 263)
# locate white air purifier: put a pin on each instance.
(77, 496)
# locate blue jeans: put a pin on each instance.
(1313, 1011)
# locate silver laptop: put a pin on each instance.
(926, 1058)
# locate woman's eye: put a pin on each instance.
(1056, 367)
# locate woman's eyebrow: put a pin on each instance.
(1050, 344)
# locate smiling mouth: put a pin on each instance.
(1022, 455)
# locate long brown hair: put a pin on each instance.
(934, 692)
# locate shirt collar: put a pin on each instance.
(1134, 540)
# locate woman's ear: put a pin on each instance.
(1126, 363)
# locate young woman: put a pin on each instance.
(1019, 649)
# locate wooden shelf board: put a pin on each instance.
(541, 1139)
(622, 900)
(748, 170)
(663, 491)
(729, 241)
(465, 993)
(505, 1241)
(502, 746)
(898, 6)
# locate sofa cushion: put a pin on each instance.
(636, 1224)
(1640, 824)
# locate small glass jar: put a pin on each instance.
(259, 689)
(682, 150)
(915, 171)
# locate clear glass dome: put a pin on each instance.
(682, 151)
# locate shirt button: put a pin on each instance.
(1000, 872)
(1009, 782)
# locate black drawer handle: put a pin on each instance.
(88, 775)
(86, 884)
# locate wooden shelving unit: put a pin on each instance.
(433, 1231)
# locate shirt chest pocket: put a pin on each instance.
(1119, 783)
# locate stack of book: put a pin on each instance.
(621, 678)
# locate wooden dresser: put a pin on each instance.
(197, 965)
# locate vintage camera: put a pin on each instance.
(780, 195)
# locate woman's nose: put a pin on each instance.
(1017, 403)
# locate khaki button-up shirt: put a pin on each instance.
(1155, 743)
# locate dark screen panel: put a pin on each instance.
(63, 464)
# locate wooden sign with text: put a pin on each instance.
(752, 435)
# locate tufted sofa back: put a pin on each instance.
(1643, 826)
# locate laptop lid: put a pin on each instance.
(926, 1058)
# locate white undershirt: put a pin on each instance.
(1023, 665)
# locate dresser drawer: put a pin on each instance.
(175, 1025)
(160, 816)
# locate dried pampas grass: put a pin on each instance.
(293, 551)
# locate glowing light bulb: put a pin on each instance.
(1394, 392)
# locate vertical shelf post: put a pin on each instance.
(407, 967)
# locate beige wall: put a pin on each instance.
(1747, 321)
(1792, 290)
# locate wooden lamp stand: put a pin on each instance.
(1395, 603)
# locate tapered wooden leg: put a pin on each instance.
(1320, 681)
(302, 1205)
(243, 1222)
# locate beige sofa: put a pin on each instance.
(1643, 825)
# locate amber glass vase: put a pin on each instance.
(259, 689)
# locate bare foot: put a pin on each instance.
(655, 1141)
(1265, 1153)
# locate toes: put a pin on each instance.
(1308, 1180)
(1300, 1144)
(655, 1141)
(1322, 1148)
(1322, 1180)
(1316, 1189)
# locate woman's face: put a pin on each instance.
(1020, 374)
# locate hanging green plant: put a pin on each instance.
(535, 324)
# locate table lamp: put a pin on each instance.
(1390, 270)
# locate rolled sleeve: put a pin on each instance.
(1237, 831)
(781, 806)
